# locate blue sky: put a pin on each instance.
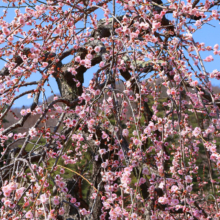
(208, 34)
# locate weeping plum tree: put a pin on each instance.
(132, 140)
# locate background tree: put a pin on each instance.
(128, 146)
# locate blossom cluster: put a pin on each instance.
(140, 141)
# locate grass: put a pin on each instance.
(83, 167)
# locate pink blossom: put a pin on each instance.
(6, 191)
(101, 64)
(59, 109)
(174, 202)
(97, 92)
(142, 181)
(19, 193)
(216, 47)
(7, 202)
(61, 211)
(134, 216)
(43, 198)
(78, 59)
(145, 171)
(106, 205)
(84, 211)
(125, 132)
(33, 132)
(104, 135)
(77, 204)
(174, 188)
(82, 62)
(163, 200)
(87, 63)
(44, 64)
(121, 154)
(29, 215)
(91, 122)
(188, 179)
(10, 38)
(73, 200)
(89, 56)
(5, 30)
(39, 110)
(23, 112)
(136, 141)
(82, 114)
(144, 26)
(156, 25)
(215, 14)
(73, 71)
(194, 83)
(62, 171)
(189, 188)
(197, 131)
(21, 20)
(102, 151)
(209, 58)
(56, 200)
(13, 186)
(198, 23)
(87, 97)
(97, 49)
(171, 91)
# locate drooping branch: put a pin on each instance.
(20, 123)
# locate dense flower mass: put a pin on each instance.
(140, 141)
